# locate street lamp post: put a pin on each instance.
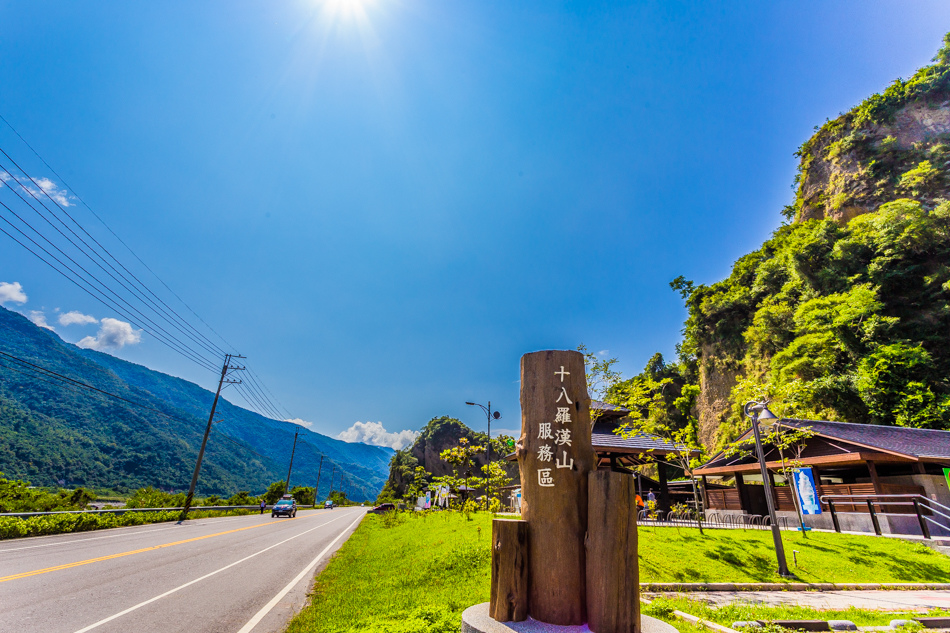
(758, 411)
(490, 414)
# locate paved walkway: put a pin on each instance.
(885, 600)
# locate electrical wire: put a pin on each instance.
(91, 290)
(104, 286)
(199, 340)
(114, 234)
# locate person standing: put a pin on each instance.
(263, 505)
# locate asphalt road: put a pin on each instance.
(233, 575)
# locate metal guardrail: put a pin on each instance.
(24, 515)
(921, 505)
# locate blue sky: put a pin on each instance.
(384, 204)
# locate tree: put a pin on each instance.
(303, 495)
(497, 478)
(661, 404)
(243, 498)
(462, 458)
(418, 484)
(338, 497)
(275, 491)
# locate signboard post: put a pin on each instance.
(555, 458)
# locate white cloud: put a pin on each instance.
(39, 319)
(112, 334)
(76, 318)
(61, 196)
(309, 425)
(374, 433)
(603, 352)
(11, 292)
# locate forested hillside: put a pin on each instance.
(50, 432)
(843, 314)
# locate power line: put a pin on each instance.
(80, 266)
(114, 234)
(200, 340)
(90, 290)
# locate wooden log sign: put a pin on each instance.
(509, 571)
(555, 458)
(613, 578)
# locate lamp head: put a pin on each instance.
(471, 404)
(765, 414)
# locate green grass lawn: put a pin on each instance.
(682, 555)
(727, 614)
(417, 572)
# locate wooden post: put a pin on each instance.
(664, 500)
(872, 470)
(740, 488)
(613, 578)
(555, 409)
(509, 571)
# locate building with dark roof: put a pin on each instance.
(846, 459)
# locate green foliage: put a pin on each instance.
(12, 527)
(856, 160)
(275, 491)
(402, 468)
(338, 497)
(243, 498)
(154, 498)
(18, 496)
(837, 322)
(303, 495)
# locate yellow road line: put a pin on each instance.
(47, 570)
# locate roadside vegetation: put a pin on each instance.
(409, 572)
(663, 607)
(18, 496)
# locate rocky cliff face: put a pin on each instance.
(891, 146)
(826, 315)
(442, 434)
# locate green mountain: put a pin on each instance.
(844, 314)
(51, 432)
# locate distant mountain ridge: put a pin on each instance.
(51, 432)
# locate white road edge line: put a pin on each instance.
(247, 628)
(188, 584)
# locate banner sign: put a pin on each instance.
(806, 490)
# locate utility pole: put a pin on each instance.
(332, 473)
(194, 478)
(292, 451)
(316, 489)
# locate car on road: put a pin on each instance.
(328, 505)
(284, 507)
(385, 507)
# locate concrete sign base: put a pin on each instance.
(475, 619)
